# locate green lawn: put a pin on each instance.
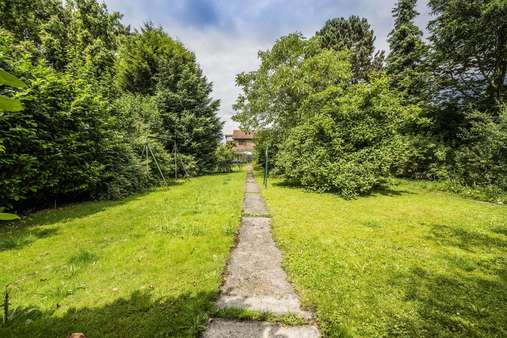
(403, 262)
(146, 266)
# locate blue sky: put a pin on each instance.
(225, 35)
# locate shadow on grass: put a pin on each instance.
(466, 240)
(453, 306)
(139, 315)
(383, 190)
(386, 189)
(16, 235)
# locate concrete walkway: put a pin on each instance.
(255, 279)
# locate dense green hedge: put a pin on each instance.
(97, 94)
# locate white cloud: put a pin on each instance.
(228, 42)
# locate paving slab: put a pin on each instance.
(220, 328)
(254, 204)
(252, 187)
(255, 279)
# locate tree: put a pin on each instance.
(404, 63)
(151, 63)
(272, 95)
(469, 52)
(188, 113)
(324, 131)
(24, 18)
(7, 104)
(356, 35)
(349, 143)
(141, 56)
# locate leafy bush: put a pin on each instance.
(481, 158)
(422, 157)
(61, 144)
(350, 143)
(224, 158)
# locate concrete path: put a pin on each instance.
(255, 279)
(221, 328)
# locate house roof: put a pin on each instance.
(243, 135)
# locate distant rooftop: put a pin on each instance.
(242, 135)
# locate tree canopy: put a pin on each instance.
(356, 35)
(335, 120)
(101, 101)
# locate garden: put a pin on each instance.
(384, 190)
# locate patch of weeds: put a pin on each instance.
(255, 214)
(8, 244)
(17, 315)
(500, 230)
(245, 314)
(371, 224)
(82, 258)
(462, 263)
(230, 229)
(182, 229)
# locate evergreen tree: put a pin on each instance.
(356, 35)
(188, 113)
(404, 63)
(469, 53)
(152, 63)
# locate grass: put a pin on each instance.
(263, 316)
(404, 262)
(146, 266)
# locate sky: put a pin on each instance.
(226, 35)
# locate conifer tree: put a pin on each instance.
(404, 63)
(354, 34)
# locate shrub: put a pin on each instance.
(350, 143)
(481, 158)
(224, 158)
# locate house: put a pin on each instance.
(242, 143)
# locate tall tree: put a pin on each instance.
(188, 113)
(356, 35)
(141, 56)
(469, 51)
(404, 63)
(152, 63)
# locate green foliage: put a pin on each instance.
(151, 63)
(224, 158)
(141, 57)
(188, 113)
(8, 104)
(356, 35)
(324, 130)
(469, 51)
(481, 157)
(105, 109)
(8, 217)
(407, 50)
(350, 142)
(61, 143)
(422, 157)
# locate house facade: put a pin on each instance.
(242, 143)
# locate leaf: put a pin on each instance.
(8, 217)
(8, 104)
(10, 80)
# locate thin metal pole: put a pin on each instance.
(266, 168)
(147, 158)
(175, 163)
(156, 162)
